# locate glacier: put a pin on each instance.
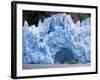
(57, 40)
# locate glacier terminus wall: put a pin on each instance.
(57, 40)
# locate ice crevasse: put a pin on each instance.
(57, 40)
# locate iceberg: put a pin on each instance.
(57, 40)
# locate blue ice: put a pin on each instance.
(57, 40)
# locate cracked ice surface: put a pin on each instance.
(57, 40)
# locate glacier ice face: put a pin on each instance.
(57, 40)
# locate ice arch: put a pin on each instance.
(57, 40)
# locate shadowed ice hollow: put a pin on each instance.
(57, 40)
